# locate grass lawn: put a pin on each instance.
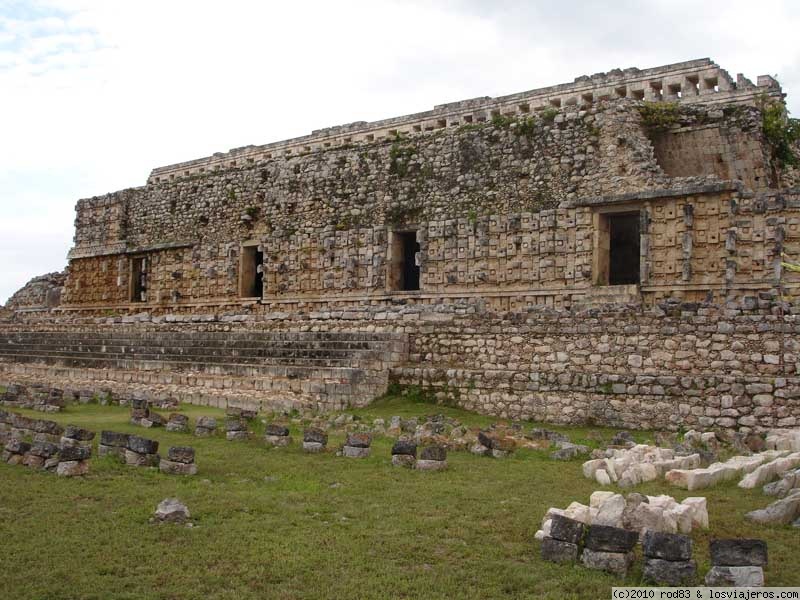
(277, 523)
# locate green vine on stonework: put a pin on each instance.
(399, 158)
(659, 116)
(781, 131)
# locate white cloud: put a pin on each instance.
(96, 93)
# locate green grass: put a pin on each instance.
(271, 524)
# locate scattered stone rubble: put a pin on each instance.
(668, 559)
(738, 466)
(357, 445)
(277, 435)
(737, 563)
(141, 452)
(179, 461)
(77, 436)
(635, 512)
(640, 463)
(314, 440)
(205, 427)
(36, 396)
(73, 460)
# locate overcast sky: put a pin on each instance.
(95, 93)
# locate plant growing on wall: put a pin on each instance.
(659, 116)
(781, 131)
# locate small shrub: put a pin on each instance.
(659, 116)
(781, 132)
(549, 114)
(502, 121)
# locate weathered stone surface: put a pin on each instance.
(739, 552)
(404, 447)
(404, 460)
(78, 433)
(171, 467)
(72, 468)
(236, 436)
(172, 510)
(668, 546)
(206, 422)
(112, 438)
(430, 465)
(278, 441)
(359, 440)
(313, 447)
(235, 425)
(780, 512)
(74, 453)
(17, 446)
(610, 511)
(669, 573)
(142, 445)
(315, 435)
(355, 451)
(44, 449)
(181, 454)
(735, 576)
(616, 563)
(559, 551)
(115, 451)
(276, 430)
(611, 539)
(136, 459)
(178, 423)
(566, 530)
(433, 453)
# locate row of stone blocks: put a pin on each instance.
(69, 457)
(667, 556)
(142, 452)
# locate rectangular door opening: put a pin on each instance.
(139, 279)
(404, 275)
(623, 248)
(251, 282)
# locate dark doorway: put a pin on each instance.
(139, 279)
(252, 273)
(623, 249)
(410, 270)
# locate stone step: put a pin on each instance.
(324, 390)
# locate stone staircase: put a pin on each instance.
(251, 369)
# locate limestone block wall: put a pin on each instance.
(726, 142)
(500, 209)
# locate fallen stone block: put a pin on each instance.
(735, 576)
(170, 467)
(355, 451)
(172, 510)
(135, 459)
(313, 435)
(610, 511)
(738, 552)
(699, 510)
(605, 538)
(142, 445)
(359, 440)
(74, 432)
(769, 471)
(667, 546)
(178, 423)
(566, 530)
(669, 573)
(404, 447)
(181, 454)
(205, 427)
(558, 551)
(780, 512)
(404, 460)
(616, 563)
(74, 453)
(72, 468)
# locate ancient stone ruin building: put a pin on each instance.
(606, 250)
